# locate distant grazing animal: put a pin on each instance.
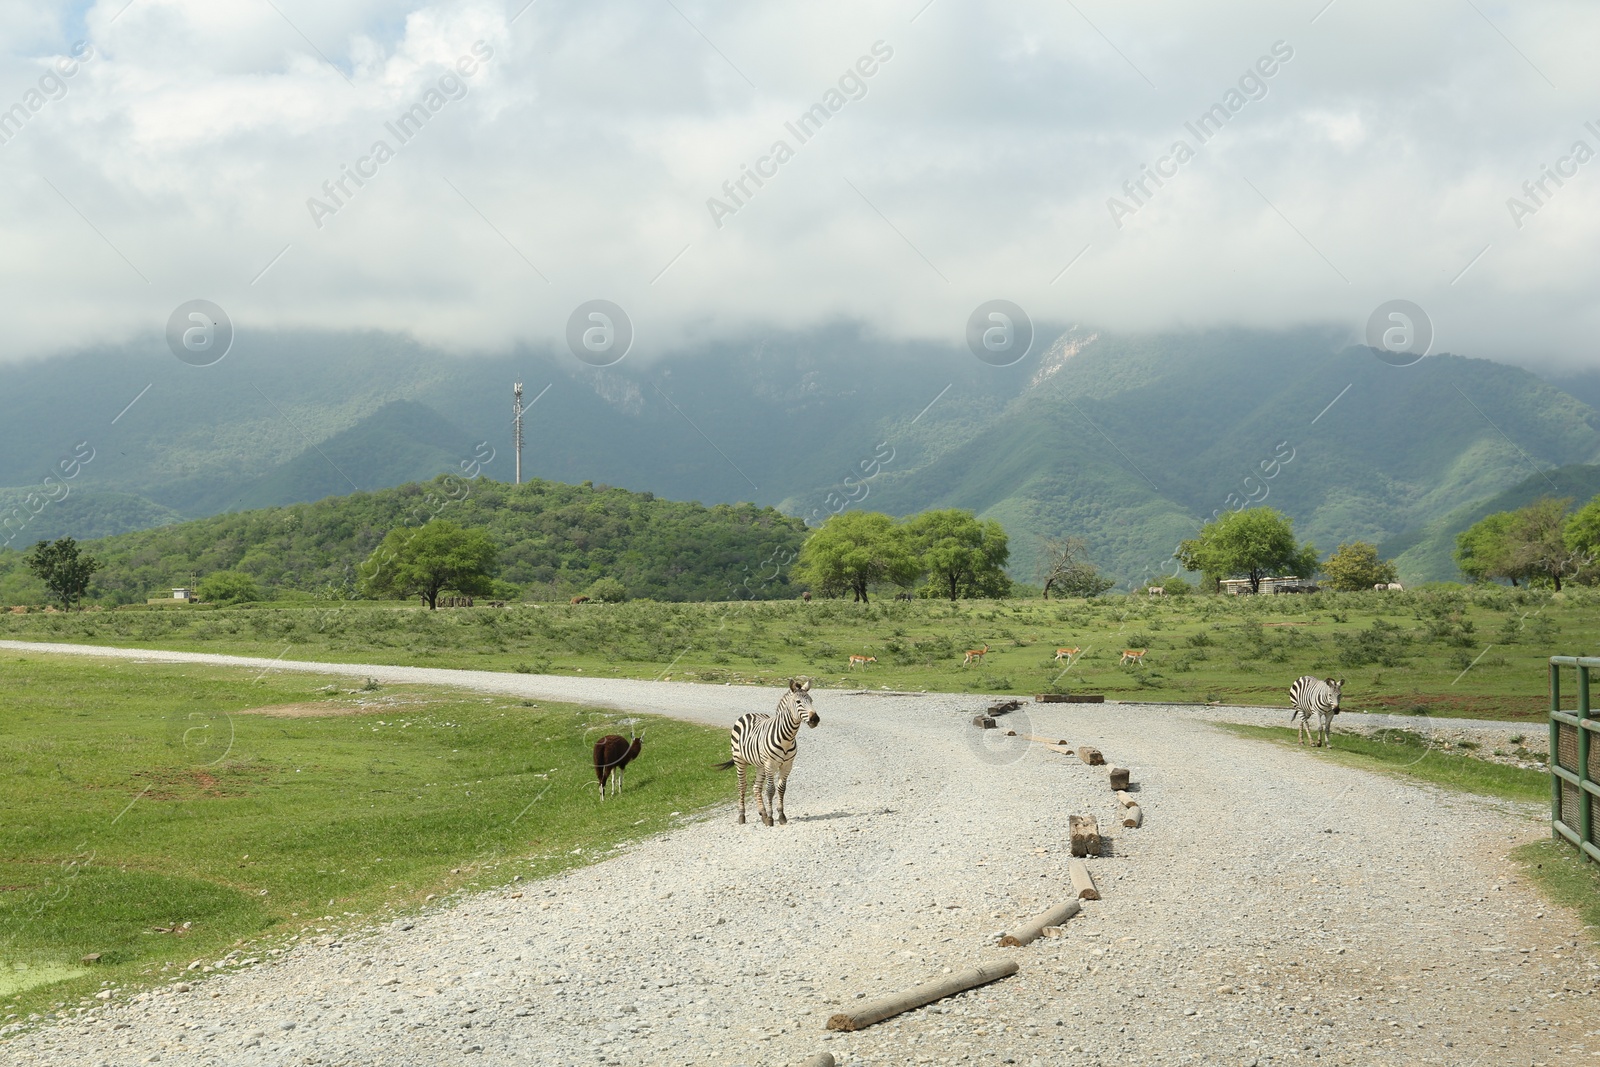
(1066, 653)
(611, 754)
(907, 597)
(1157, 590)
(975, 654)
(1382, 586)
(862, 661)
(768, 743)
(806, 596)
(1397, 587)
(1133, 655)
(580, 600)
(1310, 694)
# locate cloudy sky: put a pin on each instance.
(1358, 152)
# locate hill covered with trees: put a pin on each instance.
(552, 539)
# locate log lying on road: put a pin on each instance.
(1085, 833)
(983, 722)
(1119, 778)
(1090, 755)
(875, 1011)
(1132, 816)
(1034, 928)
(1082, 880)
(1003, 706)
(1126, 799)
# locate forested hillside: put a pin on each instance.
(553, 539)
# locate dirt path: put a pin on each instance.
(1273, 909)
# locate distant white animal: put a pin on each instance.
(1320, 696)
(1157, 590)
(1381, 586)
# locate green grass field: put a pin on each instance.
(1444, 651)
(158, 815)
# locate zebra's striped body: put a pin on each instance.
(1315, 696)
(768, 743)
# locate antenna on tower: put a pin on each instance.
(516, 391)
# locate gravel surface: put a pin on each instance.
(1274, 908)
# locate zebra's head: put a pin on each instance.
(1335, 686)
(799, 699)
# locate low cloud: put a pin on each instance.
(974, 165)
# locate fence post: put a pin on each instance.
(1555, 749)
(1585, 817)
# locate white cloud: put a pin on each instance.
(982, 156)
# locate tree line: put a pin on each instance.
(1545, 543)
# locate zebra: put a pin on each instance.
(1310, 694)
(768, 743)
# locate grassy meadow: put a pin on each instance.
(157, 815)
(1445, 650)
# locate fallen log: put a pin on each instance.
(983, 722)
(1132, 816)
(1059, 744)
(1126, 799)
(1034, 928)
(1002, 706)
(875, 1011)
(1082, 880)
(1085, 833)
(1090, 755)
(1119, 778)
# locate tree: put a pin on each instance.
(1484, 550)
(1355, 566)
(1251, 544)
(1064, 568)
(1538, 541)
(63, 570)
(229, 587)
(608, 591)
(853, 549)
(962, 555)
(1582, 535)
(1529, 544)
(425, 561)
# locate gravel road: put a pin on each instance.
(1274, 908)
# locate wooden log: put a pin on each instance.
(1003, 706)
(1034, 928)
(983, 722)
(1051, 698)
(1119, 778)
(1132, 816)
(1126, 799)
(1057, 743)
(1082, 880)
(1090, 755)
(1085, 833)
(875, 1011)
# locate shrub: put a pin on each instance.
(608, 591)
(229, 587)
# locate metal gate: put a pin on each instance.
(1574, 760)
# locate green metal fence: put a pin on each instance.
(1574, 760)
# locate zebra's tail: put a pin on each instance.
(722, 766)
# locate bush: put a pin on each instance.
(608, 591)
(229, 587)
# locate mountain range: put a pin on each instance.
(1127, 440)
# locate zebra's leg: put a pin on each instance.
(783, 784)
(738, 768)
(771, 786)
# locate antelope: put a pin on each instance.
(976, 654)
(611, 754)
(1066, 653)
(1133, 655)
(862, 661)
